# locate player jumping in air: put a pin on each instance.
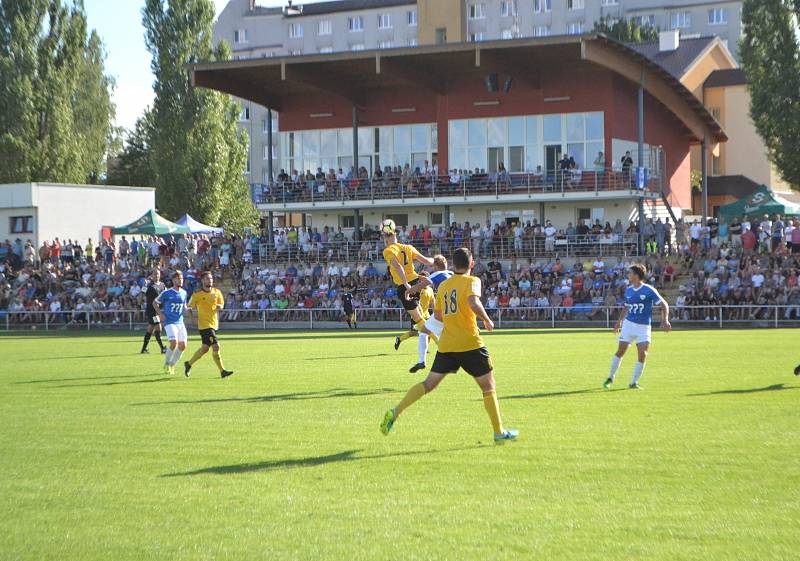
(208, 301)
(634, 324)
(349, 309)
(400, 260)
(458, 306)
(433, 325)
(425, 294)
(170, 306)
(154, 288)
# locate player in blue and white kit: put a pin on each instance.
(170, 306)
(634, 324)
(432, 325)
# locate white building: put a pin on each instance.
(44, 211)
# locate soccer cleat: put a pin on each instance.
(797, 370)
(505, 436)
(167, 369)
(397, 342)
(226, 373)
(145, 352)
(607, 383)
(417, 367)
(163, 350)
(186, 368)
(635, 386)
(388, 422)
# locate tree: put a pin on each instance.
(197, 154)
(626, 30)
(771, 61)
(55, 100)
(132, 166)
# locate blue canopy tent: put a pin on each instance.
(196, 227)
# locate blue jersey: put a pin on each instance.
(172, 303)
(640, 303)
(438, 278)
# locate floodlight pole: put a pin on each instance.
(640, 200)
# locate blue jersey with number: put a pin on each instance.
(640, 303)
(172, 303)
(439, 277)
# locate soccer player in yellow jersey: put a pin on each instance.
(208, 301)
(425, 301)
(458, 306)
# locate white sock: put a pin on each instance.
(422, 347)
(176, 356)
(615, 360)
(168, 356)
(637, 371)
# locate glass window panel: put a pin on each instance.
(296, 145)
(457, 137)
(516, 131)
(594, 126)
(516, 156)
(575, 122)
(532, 158)
(476, 158)
(532, 130)
(497, 132)
(592, 149)
(328, 142)
(402, 158)
(345, 162)
(385, 140)
(310, 143)
(366, 142)
(456, 160)
(476, 135)
(418, 160)
(552, 128)
(577, 151)
(346, 142)
(434, 138)
(328, 164)
(402, 140)
(419, 138)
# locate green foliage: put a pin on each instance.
(696, 180)
(626, 30)
(132, 166)
(197, 155)
(771, 60)
(55, 100)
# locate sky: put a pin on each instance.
(119, 23)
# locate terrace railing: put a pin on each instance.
(579, 315)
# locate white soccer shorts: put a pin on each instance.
(634, 333)
(434, 326)
(176, 332)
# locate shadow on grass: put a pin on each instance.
(60, 358)
(311, 461)
(328, 394)
(558, 394)
(345, 357)
(390, 335)
(89, 378)
(772, 388)
(146, 381)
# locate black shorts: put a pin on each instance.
(153, 320)
(413, 302)
(208, 337)
(476, 362)
(349, 311)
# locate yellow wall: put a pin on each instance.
(715, 59)
(435, 14)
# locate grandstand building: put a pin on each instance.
(473, 106)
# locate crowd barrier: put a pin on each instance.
(579, 315)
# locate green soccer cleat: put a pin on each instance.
(607, 384)
(388, 422)
(505, 436)
(635, 386)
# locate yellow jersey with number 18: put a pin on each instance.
(405, 255)
(461, 331)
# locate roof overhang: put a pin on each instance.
(352, 75)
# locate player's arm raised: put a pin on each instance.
(427, 261)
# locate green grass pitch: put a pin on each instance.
(102, 457)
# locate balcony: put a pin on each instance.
(415, 190)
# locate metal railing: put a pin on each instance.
(578, 315)
(432, 187)
(499, 247)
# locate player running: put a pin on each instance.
(170, 306)
(154, 288)
(430, 283)
(458, 305)
(400, 261)
(208, 301)
(634, 324)
(349, 309)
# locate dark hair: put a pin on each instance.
(639, 271)
(461, 258)
(207, 274)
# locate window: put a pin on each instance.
(265, 153)
(355, 23)
(609, 2)
(385, 45)
(411, 18)
(324, 27)
(441, 35)
(435, 218)
(412, 42)
(295, 30)
(20, 224)
(240, 36)
(680, 19)
(646, 20)
(327, 49)
(349, 221)
(717, 16)
(274, 125)
(716, 165)
(540, 6)
(244, 115)
(295, 52)
(247, 167)
(477, 36)
(384, 21)
(575, 28)
(506, 34)
(575, 4)
(477, 11)
(541, 31)
(357, 47)
(507, 9)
